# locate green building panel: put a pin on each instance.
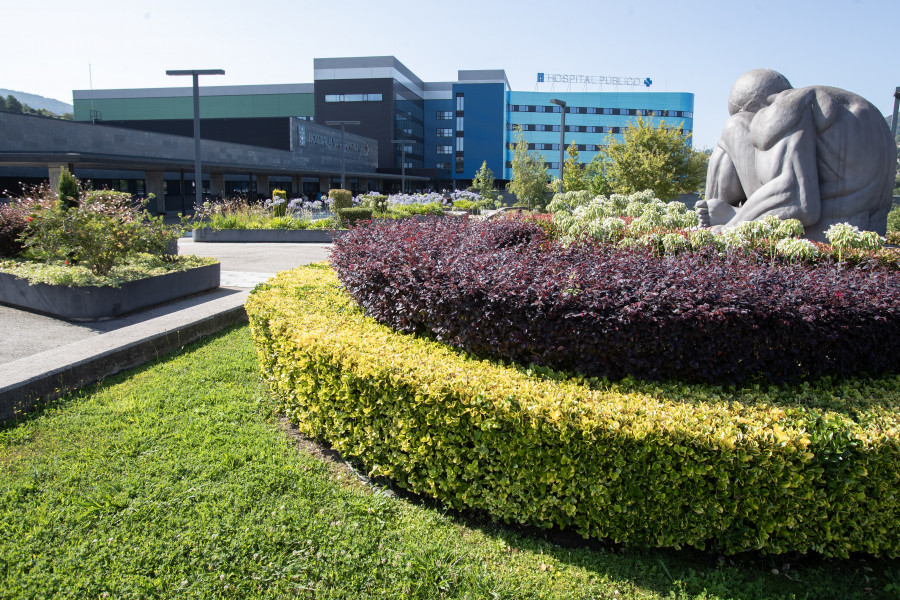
(212, 107)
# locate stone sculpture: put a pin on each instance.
(818, 154)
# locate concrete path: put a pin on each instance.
(40, 355)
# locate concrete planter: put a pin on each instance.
(92, 303)
(320, 236)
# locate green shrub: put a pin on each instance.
(403, 211)
(893, 219)
(279, 203)
(812, 467)
(101, 231)
(340, 199)
(68, 189)
(354, 214)
(468, 205)
(377, 202)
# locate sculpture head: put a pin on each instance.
(752, 90)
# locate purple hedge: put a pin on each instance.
(501, 289)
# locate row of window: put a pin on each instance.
(576, 128)
(569, 128)
(448, 166)
(593, 110)
(460, 122)
(449, 149)
(549, 165)
(353, 97)
(579, 147)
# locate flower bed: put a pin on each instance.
(94, 303)
(812, 467)
(88, 255)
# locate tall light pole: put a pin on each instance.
(342, 124)
(403, 162)
(894, 118)
(894, 123)
(562, 138)
(198, 182)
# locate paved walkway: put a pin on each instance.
(40, 354)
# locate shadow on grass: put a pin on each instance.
(668, 572)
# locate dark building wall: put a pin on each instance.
(409, 124)
(265, 132)
(376, 118)
(434, 109)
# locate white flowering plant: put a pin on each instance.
(577, 215)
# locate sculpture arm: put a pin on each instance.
(791, 187)
(723, 192)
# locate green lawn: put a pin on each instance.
(175, 480)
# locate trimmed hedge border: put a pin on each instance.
(778, 469)
(502, 289)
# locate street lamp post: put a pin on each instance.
(894, 123)
(403, 162)
(342, 124)
(562, 137)
(198, 182)
(894, 118)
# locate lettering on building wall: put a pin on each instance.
(593, 79)
(331, 141)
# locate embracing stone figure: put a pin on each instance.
(818, 154)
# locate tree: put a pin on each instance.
(658, 158)
(13, 105)
(483, 183)
(529, 175)
(595, 177)
(2, 104)
(574, 171)
(68, 189)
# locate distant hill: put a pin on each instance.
(38, 102)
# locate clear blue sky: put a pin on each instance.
(684, 46)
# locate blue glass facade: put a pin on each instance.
(591, 117)
(480, 128)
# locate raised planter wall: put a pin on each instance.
(92, 303)
(265, 235)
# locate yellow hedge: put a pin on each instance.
(781, 469)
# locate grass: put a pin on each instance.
(176, 480)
